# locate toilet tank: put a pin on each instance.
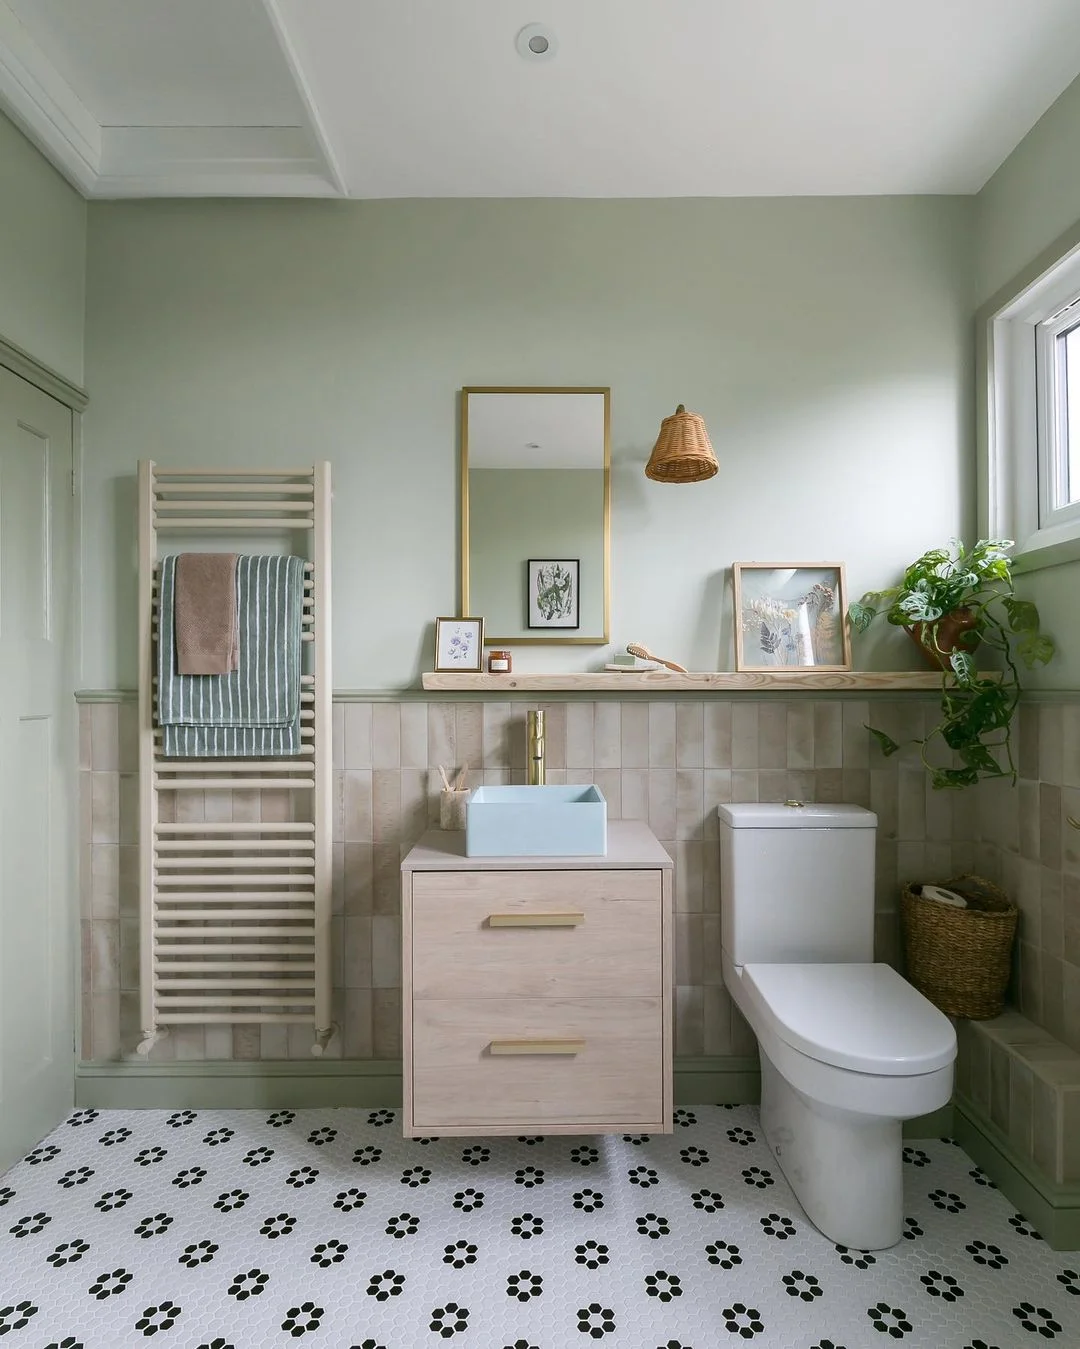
(796, 883)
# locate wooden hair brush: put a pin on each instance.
(643, 653)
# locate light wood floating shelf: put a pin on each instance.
(665, 681)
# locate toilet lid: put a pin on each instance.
(862, 1017)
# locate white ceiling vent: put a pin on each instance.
(536, 42)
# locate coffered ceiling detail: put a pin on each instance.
(432, 98)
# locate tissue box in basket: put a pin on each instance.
(960, 958)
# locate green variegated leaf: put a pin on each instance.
(979, 757)
(971, 712)
(952, 778)
(919, 607)
(886, 743)
(963, 667)
(860, 616)
(1035, 648)
(1023, 615)
(879, 597)
(957, 733)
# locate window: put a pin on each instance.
(1057, 364)
(1032, 441)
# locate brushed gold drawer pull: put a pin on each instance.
(507, 1047)
(548, 919)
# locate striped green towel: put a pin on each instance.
(255, 710)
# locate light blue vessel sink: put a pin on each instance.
(555, 821)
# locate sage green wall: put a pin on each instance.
(827, 342)
(1032, 199)
(42, 257)
(516, 514)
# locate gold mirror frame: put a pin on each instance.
(493, 639)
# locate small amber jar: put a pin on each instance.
(500, 662)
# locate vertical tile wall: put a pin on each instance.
(669, 762)
(1022, 1069)
(1031, 846)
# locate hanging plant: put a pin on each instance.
(952, 601)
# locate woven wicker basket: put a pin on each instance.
(960, 958)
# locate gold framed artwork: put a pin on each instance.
(554, 592)
(536, 492)
(459, 645)
(790, 616)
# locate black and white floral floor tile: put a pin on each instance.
(325, 1228)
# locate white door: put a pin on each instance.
(37, 766)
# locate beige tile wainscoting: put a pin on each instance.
(666, 760)
(1028, 845)
(1027, 1083)
(1018, 1076)
(1034, 852)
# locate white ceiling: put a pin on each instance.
(521, 430)
(163, 63)
(643, 98)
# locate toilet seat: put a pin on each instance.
(864, 1018)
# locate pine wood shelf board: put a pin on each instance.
(656, 681)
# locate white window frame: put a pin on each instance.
(1053, 435)
(1022, 443)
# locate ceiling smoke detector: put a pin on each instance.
(536, 42)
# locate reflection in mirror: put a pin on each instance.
(535, 512)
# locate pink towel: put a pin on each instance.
(207, 630)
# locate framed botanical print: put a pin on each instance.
(790, 616)
(552, 588)
(459, 645)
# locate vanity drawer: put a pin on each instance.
(506, 1064)
(552, 934)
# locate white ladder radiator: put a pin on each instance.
(235, 913)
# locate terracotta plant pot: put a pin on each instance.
(956, 631)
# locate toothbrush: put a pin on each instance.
(643, 653)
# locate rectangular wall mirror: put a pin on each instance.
(536, 513)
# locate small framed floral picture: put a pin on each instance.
(459, 644)
(790, 616)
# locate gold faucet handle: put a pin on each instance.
(535, 724)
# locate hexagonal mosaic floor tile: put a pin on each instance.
(211, 1229)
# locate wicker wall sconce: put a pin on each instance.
(682, 452)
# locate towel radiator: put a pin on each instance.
(235, 855)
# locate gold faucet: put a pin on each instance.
(535, 726)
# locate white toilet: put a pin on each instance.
(848, 1048)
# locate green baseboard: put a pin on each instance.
(938, 1124)
(737, 1081)
(276, 1084)
(238, 1085)
(718, 1081)
(1052, 1209)
(297, 1084)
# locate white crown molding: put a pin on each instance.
(124, 162)
(307, 97)
(213, 182)
(45, 106)
(220, 161)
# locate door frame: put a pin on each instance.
(19, 362)
(42, 377)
